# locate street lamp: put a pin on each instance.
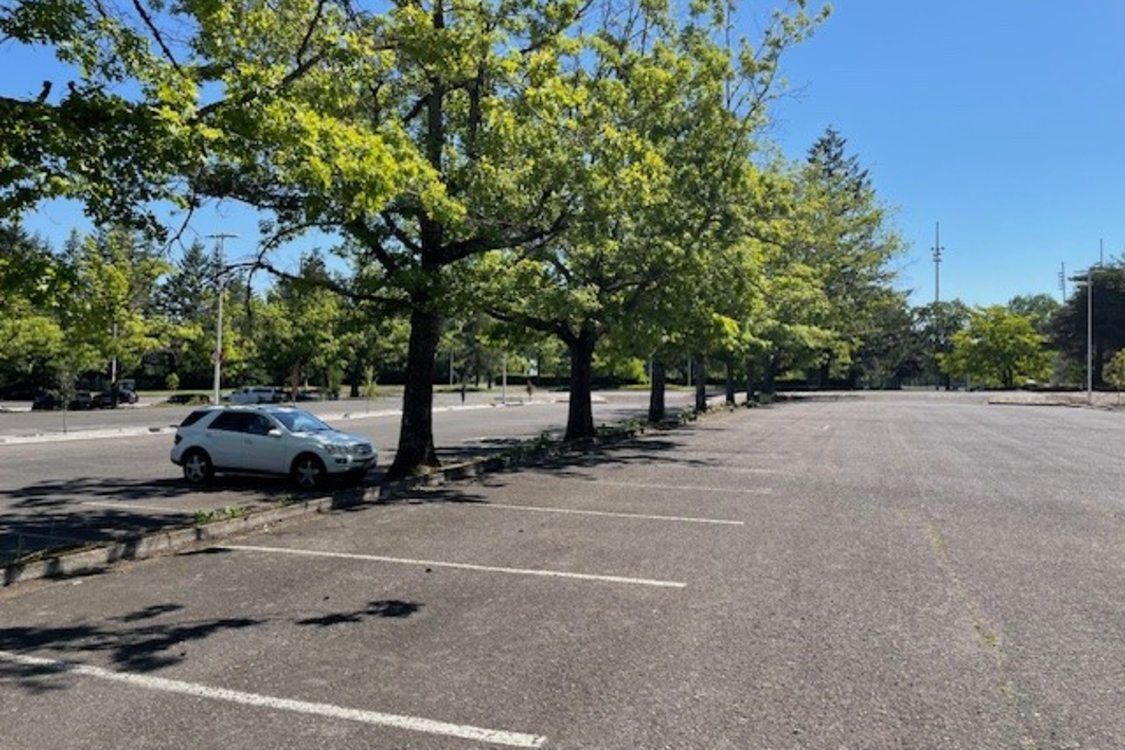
(217, 356)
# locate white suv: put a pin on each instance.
(268, 440)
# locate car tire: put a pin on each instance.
(308, 471)
(197, 466)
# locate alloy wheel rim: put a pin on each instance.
(307, 473)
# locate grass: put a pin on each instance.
(203, 517)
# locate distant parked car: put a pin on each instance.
(256, 394)
(82, 400)
(46, 400)
(105, 399)
(267, 440)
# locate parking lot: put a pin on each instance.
(910, 572)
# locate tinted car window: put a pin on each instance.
(194, 417)
(259, 424)
(233, 421)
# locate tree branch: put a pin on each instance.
(140, 8)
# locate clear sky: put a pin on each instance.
(1002, 119)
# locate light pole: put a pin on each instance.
(1089, 336)
(217, 356)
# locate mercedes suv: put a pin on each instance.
(268, 440)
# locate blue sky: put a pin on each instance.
(1002, 119)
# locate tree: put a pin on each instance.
(893, 351)
(1115, 372)
(34, 283)
(935, 325)
(1040, 308)
(662, 148)
(845, 235)
(299, 327)
(997, 348)
(1069, 326)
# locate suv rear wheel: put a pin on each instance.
(197, 467)
(308, 471)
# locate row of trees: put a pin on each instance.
(587, 177)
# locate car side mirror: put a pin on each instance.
(274, 433)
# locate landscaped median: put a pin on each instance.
(210, 526)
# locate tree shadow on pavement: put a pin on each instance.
(139, 642)
(137, 648)
(386, 608)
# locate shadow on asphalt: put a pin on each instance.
(133, 643)
(56, 515)
(388, 608)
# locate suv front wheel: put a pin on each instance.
(308, 471)
(197, 467)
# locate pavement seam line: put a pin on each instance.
(577, 511)
(395, 721)
(457, 566)
(684, 487)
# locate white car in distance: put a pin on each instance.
(268, 440)
(256, 394)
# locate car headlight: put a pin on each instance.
(335, 449)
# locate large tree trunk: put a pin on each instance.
(416, 435)
(769, 380)
(656, 396)
(353, 382)
(824, 373)
(749, 381)
(700, 383)
(580, 413)
(730, 381)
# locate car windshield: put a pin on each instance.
(300, 421)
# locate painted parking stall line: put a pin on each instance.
(378, 718)
(457, 566)
(607, 514)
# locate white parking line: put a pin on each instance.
(460, 566)
(575, 511)
(132, 506)
(397, 721)
(684, 487)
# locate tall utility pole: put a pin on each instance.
(937, 261)
(937, 248)
(1062, 280)
(217, 356)
(1089, 336)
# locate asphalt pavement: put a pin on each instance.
(912, 572)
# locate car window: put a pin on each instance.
(301, 421)
(232, 421)
(194, 417)
(260, 424)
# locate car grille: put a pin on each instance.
(363, 449)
